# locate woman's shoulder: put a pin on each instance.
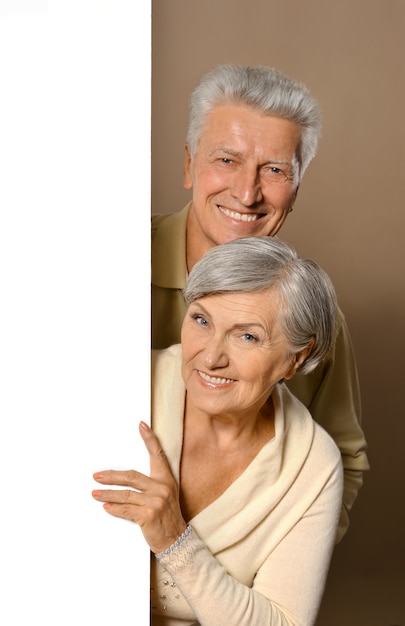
(325, 445)
(300, 424)
(160, 358)
(166, 368)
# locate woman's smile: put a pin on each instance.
(215, 380)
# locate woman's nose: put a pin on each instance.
(246, 187)
(215, 354)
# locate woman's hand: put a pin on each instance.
(151, 502)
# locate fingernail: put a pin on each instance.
(98, 475)
(95, 493)
(144, 426)
(106, 505)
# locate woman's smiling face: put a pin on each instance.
(234, 351)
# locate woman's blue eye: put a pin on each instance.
(249, 337)
(199, 319)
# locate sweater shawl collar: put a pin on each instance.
(263, 484)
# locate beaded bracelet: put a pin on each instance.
(174, 545)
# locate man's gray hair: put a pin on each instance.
(264, 89)
(306, 296)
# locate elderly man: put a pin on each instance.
(252, 133)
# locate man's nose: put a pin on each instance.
(246, 186)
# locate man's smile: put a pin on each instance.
(243, 217)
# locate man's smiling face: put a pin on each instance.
(244, 176)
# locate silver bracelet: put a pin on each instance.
(175, 544)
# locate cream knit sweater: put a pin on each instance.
(260, 553)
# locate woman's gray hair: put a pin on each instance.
(263, 88)
(307, 297)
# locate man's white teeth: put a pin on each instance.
(215, 380)
(243, 217)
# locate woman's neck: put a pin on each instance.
(216, 450)
(231, 429)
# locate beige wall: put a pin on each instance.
(349, 216)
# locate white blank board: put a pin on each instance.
(74, 310)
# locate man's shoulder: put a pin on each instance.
(169, 223)
(157, 220)
(168, 252)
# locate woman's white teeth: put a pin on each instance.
(215, 380)
(243, 217)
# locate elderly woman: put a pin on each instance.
(241, 507)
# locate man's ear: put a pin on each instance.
(294, 199)
(299, 358)
(187, 169)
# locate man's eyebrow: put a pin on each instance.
(235, 153)
(229, 151)
(278, 161)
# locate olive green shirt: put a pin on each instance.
(331, 392)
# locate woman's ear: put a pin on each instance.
(299, 358)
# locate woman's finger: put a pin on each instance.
(124, 503)
(123, 496)
(132, 505)
(124, 511)
(123, 478)
(159, 465)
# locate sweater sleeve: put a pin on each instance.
(287, 588)
(216, 597)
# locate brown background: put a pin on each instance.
(349, 216)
